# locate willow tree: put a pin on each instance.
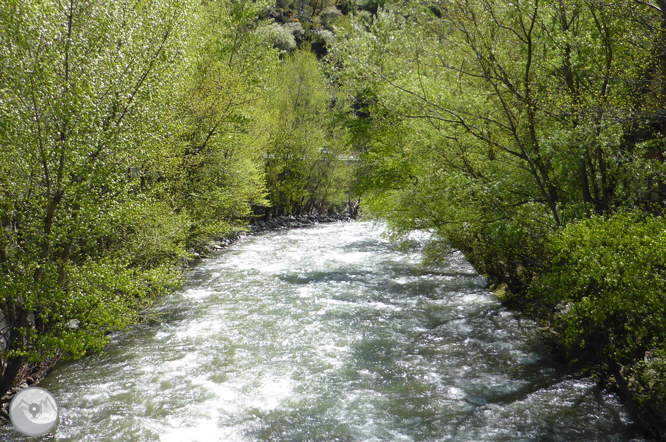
(80, 86)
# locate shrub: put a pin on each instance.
(284, 36)
(610, 274)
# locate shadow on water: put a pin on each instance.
(448, 365)
(331, 334)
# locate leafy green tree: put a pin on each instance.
(220, 131)
(614, 297)
(503, 130)
(307, 164)
(80, 85)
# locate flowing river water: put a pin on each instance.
(330, 333)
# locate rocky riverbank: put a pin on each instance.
(291, 222)
(31, 374)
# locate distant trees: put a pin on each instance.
(306, 163)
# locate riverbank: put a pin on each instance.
(32, 374)
(648, 414)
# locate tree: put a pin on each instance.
(307, 163)
(504, 108)
(221, 132)
(79, 89)
(502, 127)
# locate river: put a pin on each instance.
(329, 333)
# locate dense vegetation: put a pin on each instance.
(131, 134)
(530, 135)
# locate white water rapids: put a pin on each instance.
(329, 333)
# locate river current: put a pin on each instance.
(329, 333)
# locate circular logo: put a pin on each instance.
(34, 411)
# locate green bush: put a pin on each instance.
(650, 379)
(608, 284)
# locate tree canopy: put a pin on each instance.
(530, 136)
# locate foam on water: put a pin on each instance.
(330, 333)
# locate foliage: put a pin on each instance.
(306, 163)
(284, 36)
(131, 132)
(220, 134)
(607, 288)
(649, 377)
(74, 150)
(485, 124)
(520, 133)
(610, 274)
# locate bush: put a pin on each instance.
(284, 36)
(329, 16)
(609, 273)
(649, 375)
(322, 36)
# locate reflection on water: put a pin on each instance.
(330, 334)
